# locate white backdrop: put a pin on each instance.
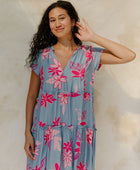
(117, 87)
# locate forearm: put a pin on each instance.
(30, 104)
(116, 49)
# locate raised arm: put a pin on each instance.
(114, 53)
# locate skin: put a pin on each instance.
(114, 53)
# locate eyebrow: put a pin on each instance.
(58, 15)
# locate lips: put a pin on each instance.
(60, 29)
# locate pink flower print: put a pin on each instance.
(37, 100)
(47, 98)
(63, 124)
(99, 66)
(34, 66)
(34, 123)
(37, 168)
(79, 73)
(86, 96)
(57, 144)
(56, 122)
(36, 149)
(41, 124)
(57, 166)
(89, 135)
(67, 158)
(42, 164)
(37, 143)
(92, 75)
(88, 55)
(78, 142)
(43, 161)
(45, 53)
(83, 116)
(57, 81)
(55, 68)
(75, 66)
(64, 100)
(83, 123)
(67, 147)
(70, 127)
(41, 77)
(77, 150)
(49, 135)
(76, 87)
(28, 167)
(83, 47)
(84, 84)
(81, 167)
(92, 82)
(74, 94)
(64, 97)
(78, 136)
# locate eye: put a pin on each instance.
(62, 18)
(52, 20)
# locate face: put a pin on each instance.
(60, 22)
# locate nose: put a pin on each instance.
(58, 24)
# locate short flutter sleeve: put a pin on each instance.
(36, 65)
(96, 53)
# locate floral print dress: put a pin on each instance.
(63, 125)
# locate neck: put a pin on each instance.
(65, 43)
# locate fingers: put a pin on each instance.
(85, 21)
(80, 25)
(77, 35)
(29, 152)
(32, 147)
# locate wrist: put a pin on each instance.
(94, 38)
(27, 132)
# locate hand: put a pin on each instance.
(84, 32)
(29, 146)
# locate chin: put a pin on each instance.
(60, 35)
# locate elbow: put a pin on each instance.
(132, 57)
(129, 59)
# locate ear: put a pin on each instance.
(73, 22)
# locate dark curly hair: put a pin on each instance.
(43, 38)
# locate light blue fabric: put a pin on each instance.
(63, 126)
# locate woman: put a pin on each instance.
(60, 96)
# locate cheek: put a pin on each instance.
(67, 24)
(51, 25)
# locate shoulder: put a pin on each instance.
(85, 47)
(46, 50)
(90, 48)
(42, 53)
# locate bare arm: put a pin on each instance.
(31, 100)
(114, 53)
(30, 104)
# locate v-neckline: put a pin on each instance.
(63, 70)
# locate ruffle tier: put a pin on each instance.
(63, 147)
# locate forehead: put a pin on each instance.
(57, 12)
